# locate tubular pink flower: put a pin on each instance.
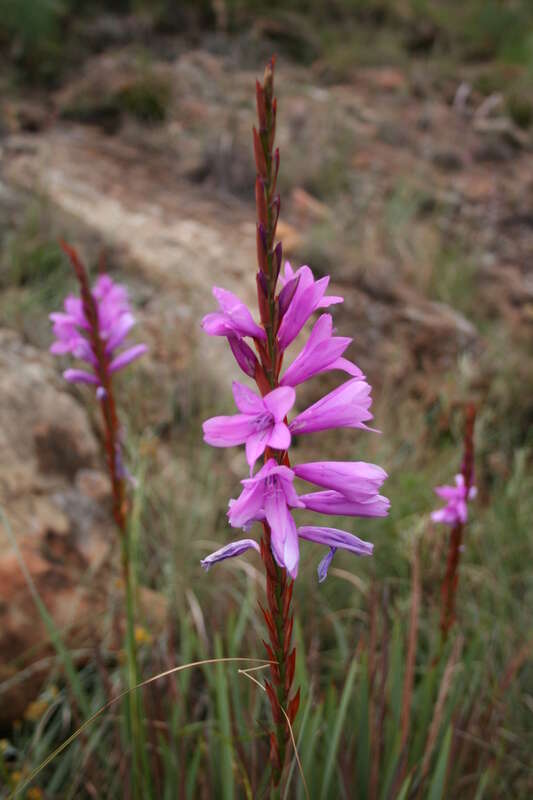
(456, 509)
(115, 321)
(234, 318)
(229, 551)
(334, 538)
(355, 480)
(259, 425)
(345, 407)
(308, 297)
(321, 353)
(269, 495)
(337, 504)
(244, 355)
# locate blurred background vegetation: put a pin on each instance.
(437, 237)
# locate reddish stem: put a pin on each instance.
(451, 578)
(278, 615)
(107, 400)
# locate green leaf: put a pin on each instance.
(436, 789)
(227, 780)
(337, 731)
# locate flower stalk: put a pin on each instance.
(278, 614)
(287, 300)
(457, 517)
(91, 329)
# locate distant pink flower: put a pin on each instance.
(308, 297)
(322, 352)
(259, 425)
(234, 318)
(455, 511)
(115, 321)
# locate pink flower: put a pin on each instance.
(337, 504)
(259, 425)
(322, 352)
(308, 297)
(356, 481)
(334, 538)
(269, 495)
(234, 318)
(115, 321)
(345, 407)
(229, 551)
(455, 511)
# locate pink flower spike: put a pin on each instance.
(259, 425)
(234, 318)
(321, 353)
(229, 551)
(456, 510)
(114, 321)
(345, 407)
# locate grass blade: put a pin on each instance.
(337, 731)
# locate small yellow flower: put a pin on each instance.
(35, 710)
(142, 636)
(16, 777)
(4, 744)
(34, 793)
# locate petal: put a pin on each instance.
(321, 350)
(333, 537)
(446, 492)
(248, 507)
(216, 324)
(228, 431)
(240, 319)
(302, 306)
(324, 565)
(345, 407)
(255, 446)
(348, 366)
(280, 437)
(284, 537)
(127, 357)
(331, 300)
(79, 376)
(247, 401)
(120, 330)
(244, 355)
(442, 515)
(280, 401)
(337, 504)
(356, 480)
(229, 551)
